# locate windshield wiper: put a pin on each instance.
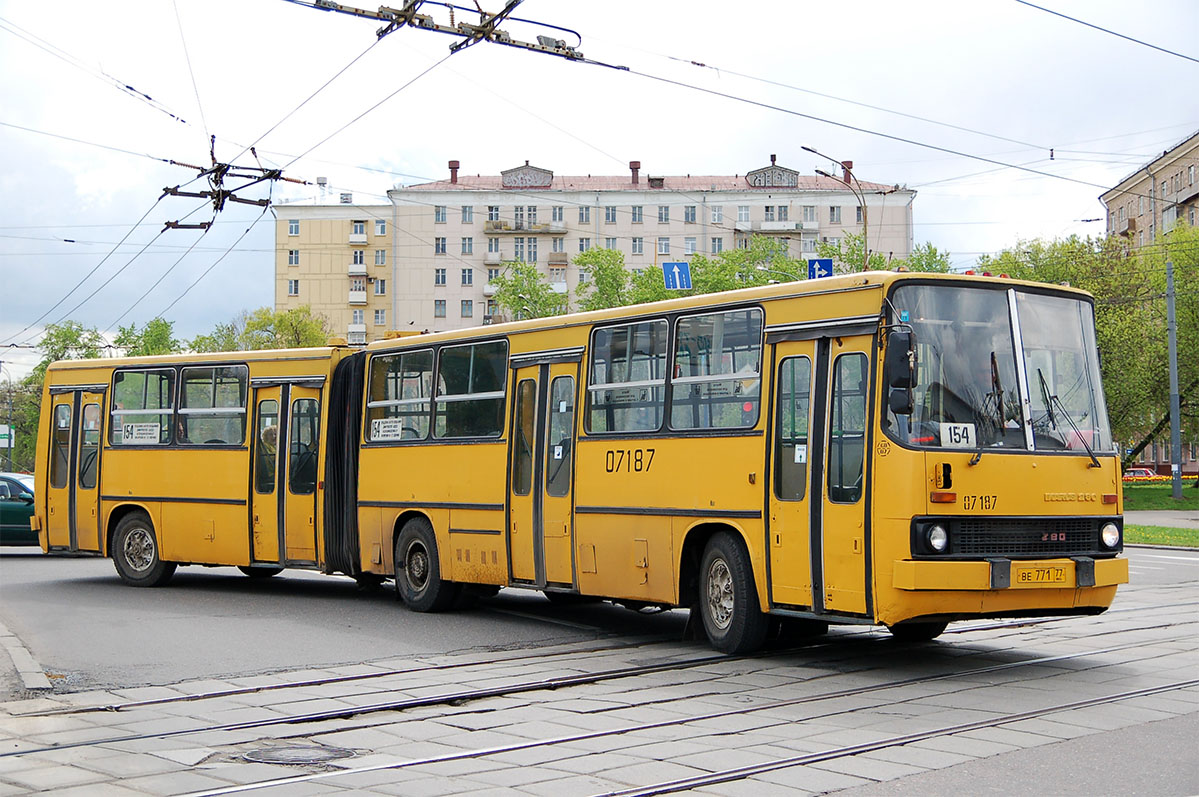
(1050, 399)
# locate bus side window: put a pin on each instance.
(847, 429)
(89, 446)
(61, 451)
(791, 439)
(562, 421)
(304, 447)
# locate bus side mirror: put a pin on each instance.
(899, 371)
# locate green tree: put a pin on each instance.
(847, 254)
(156, 337)
(266, 329)
(609, 281)
(522, 291)
(762, 261)
(927, 258)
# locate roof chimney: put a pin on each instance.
(772, 160)
(846, 170)
(635, 168)
(454, 172)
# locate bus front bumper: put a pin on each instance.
(998, 573)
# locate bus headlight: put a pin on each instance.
(937, 538)
(1109, 535)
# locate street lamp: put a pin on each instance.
(857, 192)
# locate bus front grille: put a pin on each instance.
(1025, 536)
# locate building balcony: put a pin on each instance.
(493, 258)
(743, 226)
(1127, 227)
(558, 287)
(808, 226)
(557, 258)
(489, 290)
(357, 270)
(523, 227)
(358, 239)
(357, 297)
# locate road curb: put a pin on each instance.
(32, 676)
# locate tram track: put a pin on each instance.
(462, 697)
(748, 771)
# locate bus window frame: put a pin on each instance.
(367, 439)
(450, 398)
(168, 412)
(182, 412)
(733, 376)
(592, 387)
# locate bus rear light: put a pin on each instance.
(1109, 498)
(940, 497)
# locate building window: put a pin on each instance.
(609, 243)
(439, 246)
(1190, 174)
(689, 245)
(380, 227)
(663, 214)
(358, 284)
(743, 213)
(638, 246)
(809, 213)
(717, 214)
(783, 213)
(689, 214)
(493, 245)
(584, 244)
(556, 213)
(492, 307)
(358, 317)
(834, 214)
(557, 275)
(439, 308)
(610, 214)
(493, 212)
(743, 242)
(293, 226)
(858, 217)
(493, 274)
(380, 318)
(439, 276)
(468, 214)
(380, 287)
(358, 227)
(293, 257)
(380, 257)
(468, 246)
(518, 217)
(468, 308)
(532, 214)
(468, 276)
(663, 246)
(769, 213)
(439, 214)
(809, 244)
(532, 250)
(636, 215)
(717, 245)
(584, 214)
(293, 287)
(583, 276)
(518, 249)
(558, 245)
(359, 257)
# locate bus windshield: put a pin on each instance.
(969, 391)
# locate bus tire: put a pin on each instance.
(917, 631)
(728, 600)
(135, 553)
(259, 572)
(418, 572)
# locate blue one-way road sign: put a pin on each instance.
(820, 267)
(677, 276)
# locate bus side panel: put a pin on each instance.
(901, 483)
(625, 556)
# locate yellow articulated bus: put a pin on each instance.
(880, 448)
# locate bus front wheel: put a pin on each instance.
(135, 553)
(728, 601)
(417, 570)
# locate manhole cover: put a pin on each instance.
(297, 755)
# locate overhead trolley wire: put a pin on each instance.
(1108, 31)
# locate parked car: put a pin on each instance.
(1132, 474)
(16, 507)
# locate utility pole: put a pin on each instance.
(1175, 426)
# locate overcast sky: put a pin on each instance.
(992, 78)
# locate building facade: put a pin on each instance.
(1151, 200)
(449, 239)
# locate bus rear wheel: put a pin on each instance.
(728, 600)
(917, 631)
(135, 553)
(418, 572)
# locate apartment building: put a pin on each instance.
(1151, 200)
(450, 238)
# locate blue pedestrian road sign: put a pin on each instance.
(677, 276)
(820, 267)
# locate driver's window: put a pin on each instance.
(302, 448)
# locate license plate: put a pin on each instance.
(1040, 575)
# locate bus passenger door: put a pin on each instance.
(841, 585)
(86, 535)
(790, 558)
(303, 457)
(558, 455)
(266, 506)
(59, 492)
(524, 501)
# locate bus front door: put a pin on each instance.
(841, 547)
(303, 458)
(790, 510)
(541, 475)
(265, 504)
(73, 486)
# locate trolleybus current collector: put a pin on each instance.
(878, 448)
